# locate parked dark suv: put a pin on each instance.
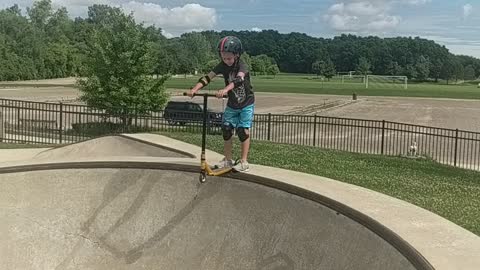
(183, 112)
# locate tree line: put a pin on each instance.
(47, 43)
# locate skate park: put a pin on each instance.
(87, 206)
(363, 118)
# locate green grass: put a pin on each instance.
(22, 146)
(308, 84)
(449, 192)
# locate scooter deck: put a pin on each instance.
(215, 171)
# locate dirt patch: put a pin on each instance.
(43, 94)
(446, 113)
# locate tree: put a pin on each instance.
(120, 64)
(184, 63)
(197, 50)
(324, 68)
(15, 10)
(56, 59)
(422, 68)
(447, 72)
(329, 69)
(394, 69)
(273, 70)
(410, 71)
(40, 12)
(247, 60)
(59, 27)
(166, 58)
(476, 66)
(363, 66)
(458, 71)
(46, 43)
(260, 63)
(469, 73)
(436, 69)
(317, 67)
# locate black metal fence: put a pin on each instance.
(53, 123)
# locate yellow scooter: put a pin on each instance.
(205, 169)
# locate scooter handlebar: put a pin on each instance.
(202, 95)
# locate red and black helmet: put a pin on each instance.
(230, 44)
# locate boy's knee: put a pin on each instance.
(243, 133)
(227, 131)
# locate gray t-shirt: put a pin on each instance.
(241, 96)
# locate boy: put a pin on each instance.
(238, 113)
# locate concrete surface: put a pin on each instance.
(144, 212)
(19, 154)
(111, 146)
(164, 219)
(164, 141)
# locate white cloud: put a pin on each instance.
(340, 7)
(173, 21)
(256, 29)
(417, 2)
(364, 9)
(167, 34)
(384, 22)
(467, 10)
(366, 16)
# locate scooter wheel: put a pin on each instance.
(202, 178)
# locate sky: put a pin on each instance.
(453, 23)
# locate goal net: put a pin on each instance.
(385, 82)
(359, 79)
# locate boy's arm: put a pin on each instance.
(202, 82)
(235, 82)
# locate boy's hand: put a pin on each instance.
(222, 93)
(191, 93)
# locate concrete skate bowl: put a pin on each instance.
(145, 215)
(110, 146)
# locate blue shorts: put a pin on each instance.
(239, 117)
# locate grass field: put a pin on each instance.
(447, 191)
(308, 84)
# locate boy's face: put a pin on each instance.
(228, 58)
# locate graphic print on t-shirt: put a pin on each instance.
(239, 92)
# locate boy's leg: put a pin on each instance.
(245, 145)
(227, 148)
(243, 132)
(230, 120)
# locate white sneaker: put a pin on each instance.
(241, 166)
(224, 163)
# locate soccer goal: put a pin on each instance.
(353, 79)
(382, 81)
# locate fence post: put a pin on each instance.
(456, 147)
(2, 129)
(60, 135)
(383, 137)
(314, 130)
(269, 126)
(18, 116)
(136, 116)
